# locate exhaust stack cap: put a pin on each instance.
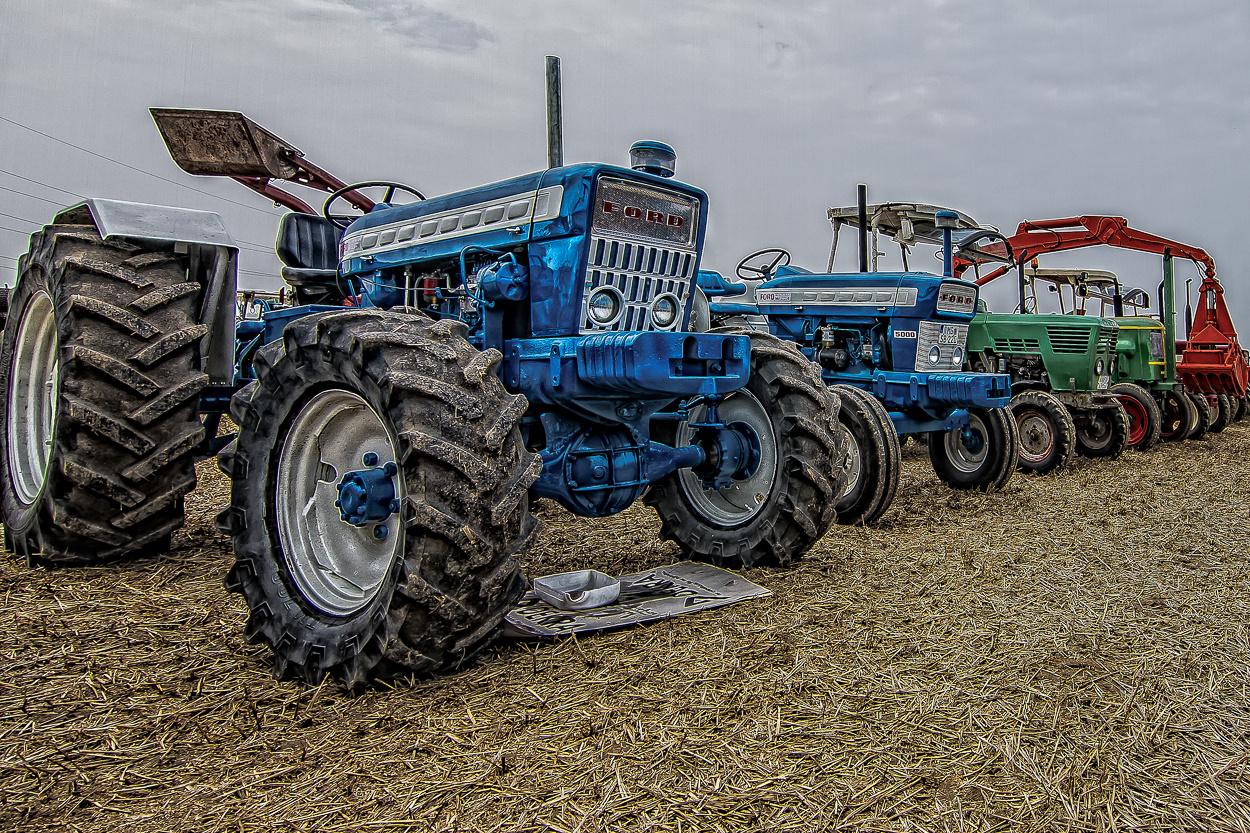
(653, 158)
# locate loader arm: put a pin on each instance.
(1035, 237)
(227, 143)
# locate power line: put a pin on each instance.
(32, 196)
(15, 217)
(37, 182)
(15, 231)
(131, 167)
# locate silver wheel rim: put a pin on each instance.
(854, 465)
(34, 390)
(739, 503)
(959, 455)
(1036, 437)
(337, 567)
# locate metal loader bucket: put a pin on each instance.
(223, 143)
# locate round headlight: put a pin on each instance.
(664, 311)
(604, 305)
(957, 358)
(1098, 367)
(934, 355)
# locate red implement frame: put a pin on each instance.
(1211, 360)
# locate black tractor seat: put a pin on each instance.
(308, 247)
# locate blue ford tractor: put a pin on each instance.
(436, 364)
(891, 343)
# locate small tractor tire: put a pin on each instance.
(1239, 412)
(102, 381)
(1105, 433)
(778, 513)
(989, 468)
(1145, 420)
(893, 441)
(422, 590)
(872, 461)
(1046, 430)
(1200, 416)
(1221, 413)
(1177, 416)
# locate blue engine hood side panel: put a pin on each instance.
(496, 190)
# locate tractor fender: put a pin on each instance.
(213, 262)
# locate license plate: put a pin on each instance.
(1104, 382)
(948, 335)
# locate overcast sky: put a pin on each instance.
(1003, 109)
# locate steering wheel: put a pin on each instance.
(342, 221)
(780, 257)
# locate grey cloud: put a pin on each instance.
(423, 25)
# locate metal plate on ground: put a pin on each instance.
(649, 596)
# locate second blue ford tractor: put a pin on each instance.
(891, 343)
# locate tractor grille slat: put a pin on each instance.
(1017, 345)
(1069, 339)
(641, 273)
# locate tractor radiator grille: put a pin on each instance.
(949, 339)
(1017, 345)
(640, 272)
(1069, 339)
(1107, 342)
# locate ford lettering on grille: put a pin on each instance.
(633, 210)
(956, 298)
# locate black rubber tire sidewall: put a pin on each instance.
(1002, 454)
(810, 449)
(426, 616)
(1059, 423)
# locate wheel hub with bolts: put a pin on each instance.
(1036, 439)
(744, 496)
(368, 495)
(966, 448)
(337, 549)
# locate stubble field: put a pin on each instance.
(1070, 654)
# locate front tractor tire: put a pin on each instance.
(1103, 432)
(872, 457)
(1221, 412)
(423, 589)
(1199, 415)
(1047, 433)
(1145, 420)
(778, 512)
(101, 412)
(1176, 416)
(987, 463)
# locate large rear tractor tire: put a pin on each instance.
(1200, 416)
(1046, 430)
(983, 460)
(101, 414)
(382, 397)
(1221, 413)
(1177, 416)
(1103, 432)
(4, 307)
(780, 511)
(872, 457)
(1144, 419)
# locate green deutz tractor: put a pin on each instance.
(1061, 369)
(1145, 380)
(1149, 377)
